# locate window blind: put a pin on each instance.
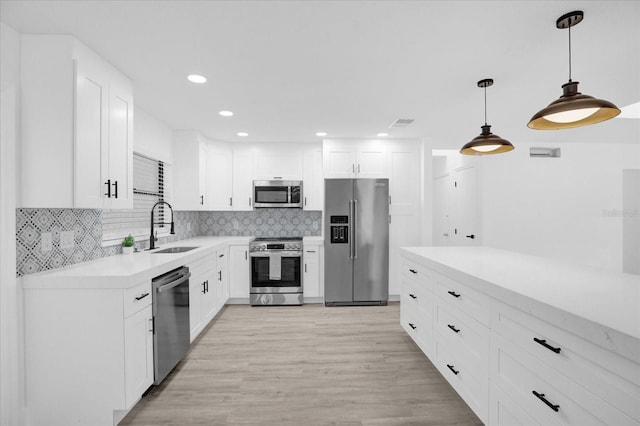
(150, 185)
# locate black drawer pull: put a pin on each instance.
(413, 296)
(412, 326)
(413, 271)
(454, 294)
(541, 397)
(142, 296)
(453, 369)
(453, 327)
(546, 345)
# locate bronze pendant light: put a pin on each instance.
(486, 143)
(572, 109)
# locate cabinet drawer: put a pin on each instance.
(604, 373)
(557, 400)
(413, 293)
(471, 302)
(419, 325)
(203, 265)
(467, 337)
(470, 383)
(136, 298)
(504, 412)
(417, 274)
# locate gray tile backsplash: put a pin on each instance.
(86, 225)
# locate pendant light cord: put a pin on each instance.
(485, 105)
(569, 53)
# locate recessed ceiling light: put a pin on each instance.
(243, 134)
(195, 78)
(381, 135)
(321, 134)
(226, 113)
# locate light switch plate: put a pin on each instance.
(66, 239)
(46, 242)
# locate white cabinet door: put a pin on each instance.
(138, 346)
(242, 180)
(274, 163)
(338, 160)
(91, 185)
(219, 178)
(313, 182)
(120, 148)
(223, 277)
(239, 272)
(204, 197)
(371, 160)
(197, 289)
(311, 277)
(404, 205)
(466, 230)
(208, 298)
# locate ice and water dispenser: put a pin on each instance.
(339, 228)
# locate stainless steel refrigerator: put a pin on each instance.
(356, 242)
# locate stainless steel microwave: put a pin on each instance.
(277, 193)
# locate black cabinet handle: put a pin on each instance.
(231, 201)
(413, 296)
(115, 187)
(453, 369)
(454, 294)
(108, 183)
(453, 327)
(219, 275)
(541, 397)
(544, 343)
(221, 255)
(204, 287)
(202, 200)
(413, 327)
(142, 296)
(413, 271)
(471, 236)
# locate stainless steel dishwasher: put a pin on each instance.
(171, 320)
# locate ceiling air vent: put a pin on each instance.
(402, 122)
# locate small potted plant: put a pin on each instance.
(127, 244)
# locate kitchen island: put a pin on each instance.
(524, 339)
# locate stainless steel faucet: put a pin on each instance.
(153, 238)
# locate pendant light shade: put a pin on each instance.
(486, 143)
(572, 109)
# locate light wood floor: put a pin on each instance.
(308, 365)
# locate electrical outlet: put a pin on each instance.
(46, 242)
(66, 239)
(236, 225)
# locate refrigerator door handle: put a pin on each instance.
(351, 229)
(355, 231)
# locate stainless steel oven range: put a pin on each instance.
(276, 271)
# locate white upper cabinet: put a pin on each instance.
(242, 179)
(219, 177)
(313, 183)
(77, 127)
(355, 159)
(276, 162)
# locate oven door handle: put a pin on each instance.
(282, 254)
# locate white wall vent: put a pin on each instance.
(544, 152)
(402, 122)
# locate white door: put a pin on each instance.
(465, 208)
(404, 207)
(442, 189)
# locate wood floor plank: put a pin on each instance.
(303, 365)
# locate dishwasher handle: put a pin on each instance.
(173, 284)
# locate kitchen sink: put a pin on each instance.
(174, 250)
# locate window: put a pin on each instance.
(149, 187)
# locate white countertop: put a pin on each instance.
(124, 271)
(548, 289)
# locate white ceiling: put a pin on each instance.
(289, 69)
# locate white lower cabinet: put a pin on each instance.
(512, 368)
(88, 353)
(312, 269)
(239, 272)
(202, 289)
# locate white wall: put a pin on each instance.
(152, 137)
(557, 207)
(11, 365)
